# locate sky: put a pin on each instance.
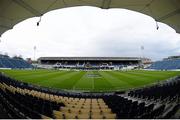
(93, 32)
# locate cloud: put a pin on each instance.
(90, 31)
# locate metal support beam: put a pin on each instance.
(168, 15)
(6, 27)
(27, 7)
(106, 4)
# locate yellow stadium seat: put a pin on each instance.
(83, 116)
(96, 110)
(76, 99)
(71, 98)
(85, 111)
(103, 106)
(70, 115)
(110, 116)
(97, 116)
(65, 109)
(58, 114)
(106, 110)
(86, 106)
(95, 107)
(94, 100)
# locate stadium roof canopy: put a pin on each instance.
(15, 11)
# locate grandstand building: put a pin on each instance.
(90, 62)
(172, 57)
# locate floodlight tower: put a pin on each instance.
(142, 51)
(142, 55)
(34, 53)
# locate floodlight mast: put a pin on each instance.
(34, 53)
(142, 51)
(141, 56)
(39, 20)
(157, 26)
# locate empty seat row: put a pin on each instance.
(14, 63)
(160, 91)
(41, 104)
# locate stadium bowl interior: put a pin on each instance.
(102, 93)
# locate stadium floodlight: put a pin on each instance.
(157, 26)
(37, 23)
(39, 20)
(34, 52)
(142, 49)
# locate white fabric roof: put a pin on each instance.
(14, 11)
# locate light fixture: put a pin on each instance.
(157, 26)
(39, 20)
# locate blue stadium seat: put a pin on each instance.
(14, 63)
(166, 65)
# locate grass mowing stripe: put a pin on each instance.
(156, 72)
(69, 83)
(140, 80)
(74, 86)
(46, 77)
(14, 73)
(158, 76)
(58, 82)
(92, 81)
(130, 79)
(85, 83)
(93, 84)
(100, 83)
(153, 76)
(35, 76)
(115, 82)
(55, 81)
(152, 72)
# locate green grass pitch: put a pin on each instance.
(95, 81)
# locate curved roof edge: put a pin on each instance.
(15, 11)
